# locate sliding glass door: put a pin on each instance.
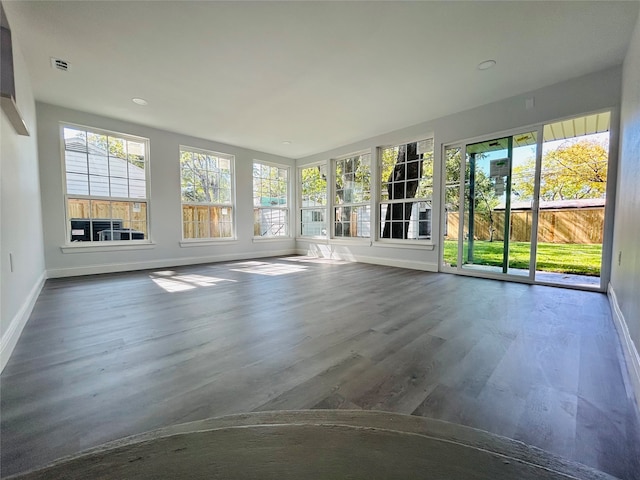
(572, 201)
(528, 206)
(495, 239)
(484, 240)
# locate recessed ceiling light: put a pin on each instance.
(287, 142)
(486, 65)
(140, 101)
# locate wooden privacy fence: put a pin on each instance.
(580, 225)
(132, 214)
(206, 221)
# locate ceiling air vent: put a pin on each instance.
(60, 64)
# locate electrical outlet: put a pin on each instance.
(620, 258)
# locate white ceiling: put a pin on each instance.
(320, 74)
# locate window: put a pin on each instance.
(106, 185)
(352, 209)
(406, 190)
(206, 181)
(270, 204)
(313, 201)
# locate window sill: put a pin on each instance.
(207, 242)
(411, 244)
(112, 247)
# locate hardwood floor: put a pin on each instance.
(107, 356)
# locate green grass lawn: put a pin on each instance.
(580, 259)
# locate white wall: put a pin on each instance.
(165, 211)
(625, 276)
(586, 94)
(21, 219)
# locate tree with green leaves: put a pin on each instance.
(269, 185)
(204, 178)
(115, 147)
(452, 162)
(314, 186)
(353, 180)
(313, 194)
(575, 170)
(485, 200)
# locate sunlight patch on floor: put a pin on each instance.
(266, 268)
(170, 282)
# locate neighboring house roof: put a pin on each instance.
(77, 147)
(558, 204)
(80, 145)
(90, 170)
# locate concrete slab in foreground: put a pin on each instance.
(315, 444)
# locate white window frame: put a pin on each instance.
(231, 204)
(285, 209)
(312, 208)
(381, 189)
(365, 203)
(96, 245)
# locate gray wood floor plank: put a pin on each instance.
(549, 421)
(106, 356)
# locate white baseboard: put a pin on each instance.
(389, 262)
(11, 336)
(163, 263)
(629, 348)
(393, 262)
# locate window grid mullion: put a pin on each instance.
(201, 168)
(272, 218)
(425, 182)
